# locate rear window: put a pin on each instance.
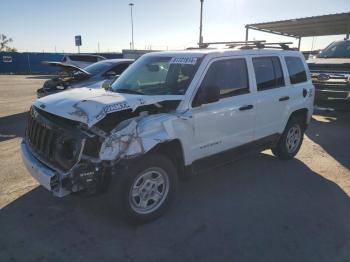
(268, 73)
(296, 69)
(82, 58)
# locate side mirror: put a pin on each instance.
(207, 95)
(107, 83)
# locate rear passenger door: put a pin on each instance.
(272, 95)
(299, 82)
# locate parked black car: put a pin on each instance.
(92, 76)
(330, 71)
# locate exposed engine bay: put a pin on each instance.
(68, 76)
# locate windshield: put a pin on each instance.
(337, 50)
(97, 68)
(157, 75)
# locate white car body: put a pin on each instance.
(202, 131)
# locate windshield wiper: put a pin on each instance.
(128, 91)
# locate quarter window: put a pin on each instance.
(268, 73)
(231, 76)
(296, 69)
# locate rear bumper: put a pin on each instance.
(48, 178)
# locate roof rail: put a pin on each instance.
(278, 45)
(260, 44)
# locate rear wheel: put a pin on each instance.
(290, 141)
(147, 188)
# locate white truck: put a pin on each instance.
(169, 115)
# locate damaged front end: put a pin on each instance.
(74, 156)
(60, 146)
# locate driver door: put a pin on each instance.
(229, 122)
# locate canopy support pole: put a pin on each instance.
(299, 42)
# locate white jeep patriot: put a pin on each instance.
(168, 115)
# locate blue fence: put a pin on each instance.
(31, 63)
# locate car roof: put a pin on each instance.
(82, 55)
(113, 62)
(118, 60)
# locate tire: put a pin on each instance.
(146, 188)
(289, 144)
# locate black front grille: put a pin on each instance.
(332, 84)
(41, 138)
(330, 67)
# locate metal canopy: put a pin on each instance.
(333, 24)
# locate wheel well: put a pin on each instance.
(301, 115)
(173, 150)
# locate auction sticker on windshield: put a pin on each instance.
(184, 60)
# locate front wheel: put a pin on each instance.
(290, 141)
(146, 188)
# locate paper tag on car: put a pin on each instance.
(184, 60)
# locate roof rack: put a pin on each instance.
(260, 44)
(231, 43)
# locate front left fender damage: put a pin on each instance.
(134, 137)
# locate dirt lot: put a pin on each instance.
(257, 209)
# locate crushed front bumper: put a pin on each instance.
(47, 177)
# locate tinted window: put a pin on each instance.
(119, 69)
(339, 49)
(83, 58)
(268, 73)
(296, 70)
(230, 76)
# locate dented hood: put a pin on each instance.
(89, 106)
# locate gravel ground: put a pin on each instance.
(256, 209)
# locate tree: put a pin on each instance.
(4, 44)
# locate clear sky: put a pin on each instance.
(37, 25)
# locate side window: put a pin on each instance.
(268, 73)
(296, 69)
(119, 69)
(231, 76)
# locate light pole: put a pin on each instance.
(132, 27)
(201, 25)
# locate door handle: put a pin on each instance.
(304, 92)
(284, 98)
(247, 107)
